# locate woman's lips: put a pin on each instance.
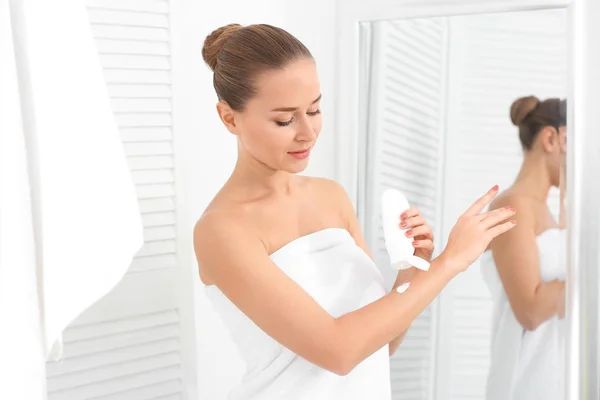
(300, 155)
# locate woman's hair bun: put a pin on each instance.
(213, 44)
(522, 108)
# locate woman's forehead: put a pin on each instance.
(296, 85)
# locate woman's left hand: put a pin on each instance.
(416, 227)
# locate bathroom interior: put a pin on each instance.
(415, 96)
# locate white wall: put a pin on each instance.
(205, 152)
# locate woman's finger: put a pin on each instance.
(411, 212)
(423, 231)
(412, 222)
(425, 244)
(492, 218)
(500, 229)
(483, 201)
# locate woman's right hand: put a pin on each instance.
(474, 231)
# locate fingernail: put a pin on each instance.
(409, 233)
(415, 242)
(403, 224)
(495, 188)
(513, 222)
(509, 208)
(403, 216)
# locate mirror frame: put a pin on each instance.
(583, 156)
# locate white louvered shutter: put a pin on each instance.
(129, 345)
(404, 150)
(494, 59)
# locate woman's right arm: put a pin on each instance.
(239, 265)
(517, 260)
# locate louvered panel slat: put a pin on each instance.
(128, 18)
(157, 248)
(116, 356)
(108, 357)
(155, 7)
(143, 120)
(141, 264)
(155, 191)
(410, 101)
(135, 61)
(127, 75)
(418, 32)
(425, 73)
(152, 134)
(141, 47)
(104, 31)
(86, 331)
(405, 145)
(399, 65)
(169, 390)
(141, 105)
(161, 233)
(398, 133)
(122, 384)
(111, 372)
(150, 177)
(161, 204)
(148, 149)
(118, 90)
(399, 46)
(150, 163)
(158, 219)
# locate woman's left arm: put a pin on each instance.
(422, 233)
(417, 227)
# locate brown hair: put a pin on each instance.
(237, 54)
(530, 115)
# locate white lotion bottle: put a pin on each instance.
(398, 245)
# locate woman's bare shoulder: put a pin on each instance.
(328, 188)
(511, 198)
(221, 224)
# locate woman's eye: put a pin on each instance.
(284, 123)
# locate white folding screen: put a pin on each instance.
(438, 128)
(129, 345)
(493, 60)
(404, 151)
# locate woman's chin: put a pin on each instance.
(297, 167)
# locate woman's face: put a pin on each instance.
(554, 146)
(281, 124)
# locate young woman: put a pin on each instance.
(282, 255)
(525, 269)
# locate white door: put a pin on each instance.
(134, 344)
(404, 149)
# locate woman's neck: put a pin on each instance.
(533, 179)
(259, 179)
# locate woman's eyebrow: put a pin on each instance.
(290, 109)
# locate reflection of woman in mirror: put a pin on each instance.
(524, 268)
(282, 255)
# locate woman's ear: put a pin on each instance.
(227, 116)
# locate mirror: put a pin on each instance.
(435, 123)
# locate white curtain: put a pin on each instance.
(69, 218)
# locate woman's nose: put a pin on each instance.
(306, 130)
